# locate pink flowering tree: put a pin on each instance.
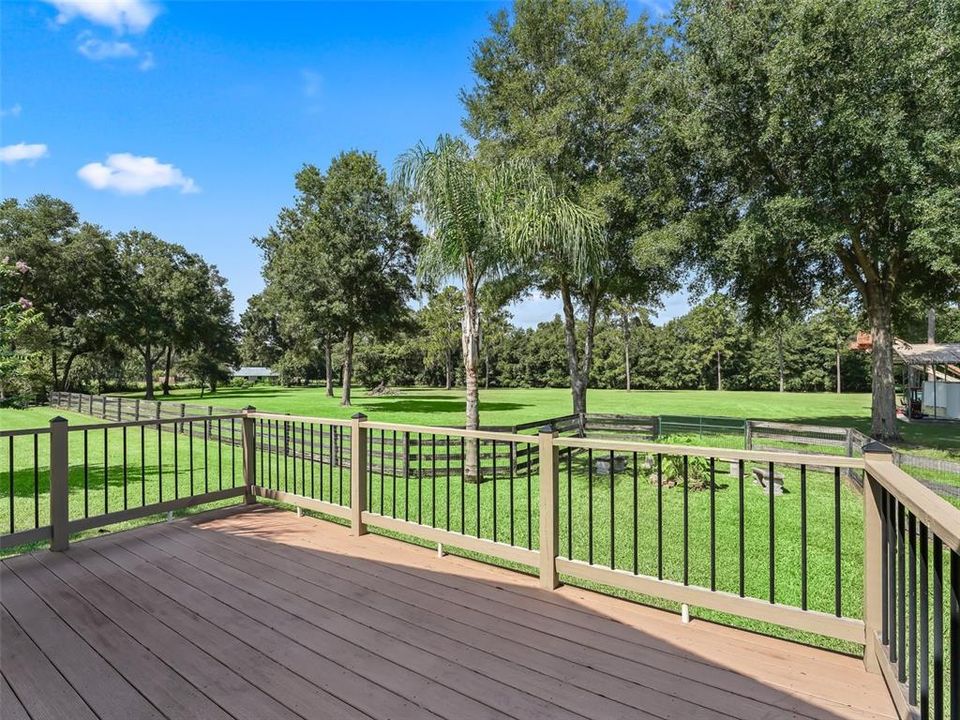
(23, 336)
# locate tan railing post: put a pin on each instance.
(872, 554)
(59, 484)
(549, 539)
(249, 454)
(358, 473)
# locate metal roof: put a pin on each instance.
(928, 353)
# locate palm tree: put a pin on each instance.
(485, 219)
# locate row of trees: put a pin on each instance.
(713, 346)
(782, 152)
(80, 304)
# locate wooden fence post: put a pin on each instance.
(872, 554)
(358, 473)
(249, 455)
(549, 478)
(747, 435)
(59, 484)
(136, 411)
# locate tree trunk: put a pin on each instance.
(57, 382)
(328, 362)
(148, 372)
(838, 369)
(719, 373)
(780, 359)
(626, 347)
(578, 389)
(166, 370)
(66, 370)
(883, 424)
(470, 357)
(449, 369)
(347, 368)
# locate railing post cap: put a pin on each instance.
(876, 447)
(58, 419)
(548, 429)
(359, 416)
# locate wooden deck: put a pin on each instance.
(262, 614)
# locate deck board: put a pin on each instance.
(263, 614)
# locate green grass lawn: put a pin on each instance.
(429, 406)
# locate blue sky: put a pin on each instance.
(189, 119)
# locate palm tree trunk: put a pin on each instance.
(449, 370)
(470, 357)
(578, 390)
(626, 347)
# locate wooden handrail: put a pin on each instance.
(942, 518)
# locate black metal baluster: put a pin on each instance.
(340, 433)
(686, 520)
(901, 594)
(803, 537)
(293, 444)
(420, 478)
(493, 452)
(463, 490)
(10, 457)
(837, 586)
(912, 611)
(773, 564)
(406, 476)
(303, 458)
(954, 634)
(36, 479)
(143, 465)
(261, 448)
(742, 519)
(612, 553)
(394, 511)
(106, 466)
(590, 505)
(529, 499)
(448, 483)
(190, 447)
(433, 479)
(313, 462)
(86, 476)
(636, 566)
(713, 525)
(383, 468)
(220, 455)
(569, 503)
(924, 625)
(123, 433)
(176, 462)
(660, 516)
(286, 453)
(479, 478)
(937, 629)
(159, 463)
(511, 448)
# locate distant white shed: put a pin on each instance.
(254, 374)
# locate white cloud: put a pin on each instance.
(96, 49)
(146, 61)
(20, 152)
(13, 111)
(120, 15)
(134, 175)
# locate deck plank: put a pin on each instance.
(298, 695)
(605, 643)
(12, 708)
(109, 695)
(218, 681)
(446, 689)
(578, 687)
(260, 613)
(46, 694)
(165, 689)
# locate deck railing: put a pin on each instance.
(775, 537)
